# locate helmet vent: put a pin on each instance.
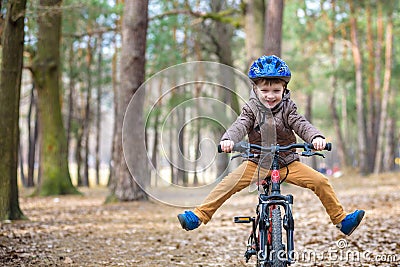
(260, 65)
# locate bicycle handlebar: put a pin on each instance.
(243, 147)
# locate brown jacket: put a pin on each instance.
(266, 126)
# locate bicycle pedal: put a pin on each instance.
(249, 253)
(243, 219)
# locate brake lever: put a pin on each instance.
(244, 155)
(310, 153)
(319, 154)
(236, 156)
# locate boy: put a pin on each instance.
(271, 96)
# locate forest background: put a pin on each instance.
(69, 71)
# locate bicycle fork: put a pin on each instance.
(288, 225)
(273, 202)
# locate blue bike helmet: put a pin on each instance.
(270, 67)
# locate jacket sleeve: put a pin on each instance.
(242, 126)
(301, 126)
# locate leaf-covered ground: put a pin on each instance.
(82, 231)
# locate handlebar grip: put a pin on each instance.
(238, 147)
(328, 147)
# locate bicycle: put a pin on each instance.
(265, 240)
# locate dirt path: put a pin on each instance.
(81, 231)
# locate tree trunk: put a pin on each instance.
(371, 101)
(78, 156)
(21, 164)
(390, 146)
(362, 151)
(98, 112)
(134, 28)
(386, 94)
(254, 28)
(171, 151)
(273, 27)
(154, 154)
(114, 153)
(197, 132)
(181, 173)
(10, 85)
(86, 124)
(32, 137)
(155, 141)
(378, 58)
(71, 87)
(47, 68)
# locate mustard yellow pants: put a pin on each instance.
(299, 174)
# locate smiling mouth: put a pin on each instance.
(270, 103)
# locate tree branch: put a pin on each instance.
(224, 16)
(97, 31)
(178, 12)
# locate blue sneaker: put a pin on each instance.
(189, 220)
(350, 222)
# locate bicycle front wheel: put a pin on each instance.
(278, 249)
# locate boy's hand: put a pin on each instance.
(319, 143)
(226, 145)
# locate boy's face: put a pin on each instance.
(270, 94)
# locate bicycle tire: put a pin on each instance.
(278, 249)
